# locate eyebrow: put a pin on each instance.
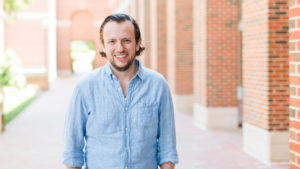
(121, 39)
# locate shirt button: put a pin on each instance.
(126, 108)
(126, 148)
(126, 168)
(126, 129)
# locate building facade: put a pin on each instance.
(227, 62)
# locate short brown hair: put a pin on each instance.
(121, 18)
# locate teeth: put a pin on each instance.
(121, 56)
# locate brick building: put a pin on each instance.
(294, 63)
(223, 59)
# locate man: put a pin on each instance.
(120, 115)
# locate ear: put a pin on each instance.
(137, 46)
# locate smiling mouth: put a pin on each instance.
(121, 56)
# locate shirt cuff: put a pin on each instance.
(168, 158)
(73, 159)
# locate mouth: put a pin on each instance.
(121, 56)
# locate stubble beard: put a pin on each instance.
(124, 68)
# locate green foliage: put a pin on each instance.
(82, 55)
(13, 113)
(13, 6)
(10, 70)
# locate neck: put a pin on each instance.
(125, 75)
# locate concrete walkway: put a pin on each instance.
(33, 140)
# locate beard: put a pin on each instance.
(124, 68)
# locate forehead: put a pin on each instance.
(115, 30)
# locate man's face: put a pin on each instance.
(119, 44)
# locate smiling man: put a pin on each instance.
(120, 115)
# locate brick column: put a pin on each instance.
(294, 84)
(153, 34)
(134, 9)
(161, 40)
(63, 23)
(265, 79)
(180, 53)
(216, 51)
(147, 37)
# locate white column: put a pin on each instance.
(52, 54)
(1, 54)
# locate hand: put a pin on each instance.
(167, 165)
(73, 167)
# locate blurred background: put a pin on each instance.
(233, 67)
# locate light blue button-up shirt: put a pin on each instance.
(105, 130)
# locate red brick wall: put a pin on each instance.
(265, 63)
(278, 65)
(162, 37)
(294, 22)
(147, 33)
(180, 46)
(255, 62)
(184, 46)
(216, 52)
(222, 52)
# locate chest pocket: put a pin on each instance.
(146, 122)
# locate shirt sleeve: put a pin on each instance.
(166, 131)
(74, 131)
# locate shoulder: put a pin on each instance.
(89, 79)
(154, 77)
(150, 74)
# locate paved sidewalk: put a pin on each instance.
(33, 140)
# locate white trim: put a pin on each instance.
(295, 17)
(296, 63)
(294, 119)
(64, 72)
(295, 97)
(183, 103)
(32, 15)
(294, 30)
(294, 152)
(294, 74)
(34, 70)
(63, 23)
(267, 146)
(292, 52)
(215, 117)
(295, 164)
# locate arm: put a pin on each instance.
(74, 132)
(167, 152)
(73, 167)
(167, 165)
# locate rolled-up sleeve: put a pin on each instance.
(166, 135)
(74, 131)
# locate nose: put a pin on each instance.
(119, 47)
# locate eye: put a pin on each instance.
(111, 41)
(127, 40)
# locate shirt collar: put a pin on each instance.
(139, 73)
